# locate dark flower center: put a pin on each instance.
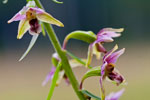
(114, 76)
(109, 68)
(34, 25)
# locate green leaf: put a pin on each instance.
(32, 42)
(90, 94)
(86, 36)
(57, 2)
(96, 71)
(77, 59)
(54, 81)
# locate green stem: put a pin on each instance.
(102, 89)
(62, 55)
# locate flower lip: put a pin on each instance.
(35, 27)
(114, 76)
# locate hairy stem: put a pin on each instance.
(62, 55)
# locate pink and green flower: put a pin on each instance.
(30, 17)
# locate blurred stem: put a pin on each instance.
(54, 80)
(77, 59)
(62, 55)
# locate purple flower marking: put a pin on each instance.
(62, 74)
(49, 76)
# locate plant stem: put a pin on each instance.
(77, 59)
(54, 81)
(62, 55)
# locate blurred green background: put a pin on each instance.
(22, 80)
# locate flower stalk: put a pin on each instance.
(62, 55)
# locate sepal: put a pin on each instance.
(86, 36)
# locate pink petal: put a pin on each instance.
(103, 38)
(115, 96)
(110, 53)
(114, 56)
(49, 76)
(110, 32)
(17, 17)
(38, 10)
(103, 69)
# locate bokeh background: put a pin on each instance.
(22, 80)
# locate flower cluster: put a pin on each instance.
(107, 69)
(109, 59)
(31, 19)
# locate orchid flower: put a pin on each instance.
(30, 17)
(104, 35)
(62, 74)
(115, 96)
(107, 69)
